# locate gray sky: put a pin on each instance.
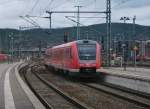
(10, 10)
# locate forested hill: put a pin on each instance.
(32, 38)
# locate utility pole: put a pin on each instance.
(108, 40)
(0, 43)
(124, 44)
(134, 18)
(19, 43)
(50, 20)
(135, 49)
(87, 35)
(78, 22)
(40, 48)
(11, 41)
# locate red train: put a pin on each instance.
(3, 57)
(78, 57)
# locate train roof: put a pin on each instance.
(77, 41)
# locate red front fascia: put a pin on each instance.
(78, 65)
(87, 65)
(75, 64)
(98, 56)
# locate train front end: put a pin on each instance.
(89, 57)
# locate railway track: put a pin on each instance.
(137, 98)
(95, 92)
(43, 101)
(72, 103)
(134, 92)
(108, 90)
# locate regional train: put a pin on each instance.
(81, 57)
(3, 57)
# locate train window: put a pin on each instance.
(87, 51)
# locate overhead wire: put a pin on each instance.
(95, 14)
(115, 6)
(8, 1)
(94, 30)
(59, 5)
(34, 6)
(31, 21)
(32, 9)
(122, 2)
(49, 4)
(54, 6)
(36, 3)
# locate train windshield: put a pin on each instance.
(87, 51)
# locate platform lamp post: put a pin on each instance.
(9, 42)
(135, 51)
(11, 45)
(124, 44)
(12, 49)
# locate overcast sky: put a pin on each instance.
(10, 10)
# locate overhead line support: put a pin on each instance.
(108, 41)
(78, 17)
(50, 12)
(78, 22)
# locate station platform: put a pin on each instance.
(14, 93)
(136, 79)
(130, 72)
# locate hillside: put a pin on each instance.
(32, 38)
